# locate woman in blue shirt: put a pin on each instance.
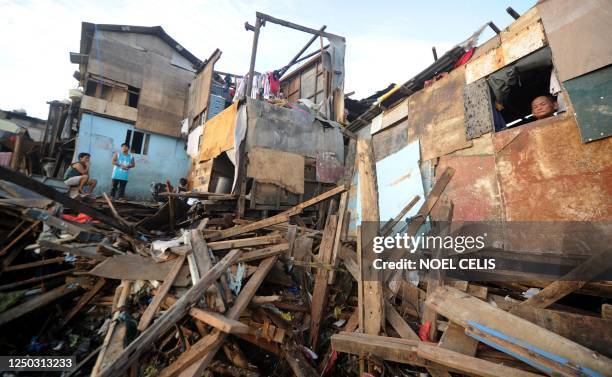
(122, 163)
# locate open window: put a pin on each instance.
(514, 87)
(112, 91)
(138, 141)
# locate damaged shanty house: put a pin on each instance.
(135, 84)
(268, 272)
(462, 142)
(291, 122)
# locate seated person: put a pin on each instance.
(543, 107)
(182, 187)
(78, 175)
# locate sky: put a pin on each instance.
(387, 41)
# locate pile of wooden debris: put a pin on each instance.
(144, 289)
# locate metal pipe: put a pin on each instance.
(513, 13)
(249, 86)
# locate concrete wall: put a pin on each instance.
(166, 157)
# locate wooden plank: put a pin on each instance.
(468, 364)
(419, 218)
(36, 279)
(169, 318)
(216, 320)
(606, 311)
(84, 300)
(389, 225)
(43, 262)
(276, 219)
(572, 281)
(132, 266)
(342, 205)
(454, 339)
(114, 210)
(125, 288)
(392, 349)
(194, 361)
(373, 305)
(398, 323)
(264, 253)
(150, 311)
(245, 242)
(204, 263)
(35, 303)
(592, 332)
(462, 308)
(550, 364)
(24, 233)
(51, 193)
(320, 290)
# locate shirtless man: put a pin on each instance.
(78, 174)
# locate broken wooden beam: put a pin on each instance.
(267, 252)
(463, 308)
(150, 311)
(35, 303)
(572, 281)
(276, 219)
(320, 290)
(51, 193)
(468, 364)
(245, 242)
(194, 361)
(169, 318)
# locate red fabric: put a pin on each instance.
(424, 331)
(465, 58)
(81, 218)
(274, 84)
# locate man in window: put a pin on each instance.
(78, 175)
(122, 163)
(543, 107)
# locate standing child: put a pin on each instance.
(122, 163)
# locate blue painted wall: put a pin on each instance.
(101, 137)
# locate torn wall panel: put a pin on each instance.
(547, 174)
(514, 45)
(280, 168)
(579, 34)
(268, 127)
(437, 118)
(218, 134)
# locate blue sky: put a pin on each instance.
(387, 41)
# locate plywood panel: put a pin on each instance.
(579, 34)
(514, 45)
(161, 105)
(199, 92)
(395, 114)
(276, 167)
(218, 135)
(547, 174)
(436, 116)
(201, 175)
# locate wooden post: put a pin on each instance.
(372, 295)
(249, 78)
(17, 151)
